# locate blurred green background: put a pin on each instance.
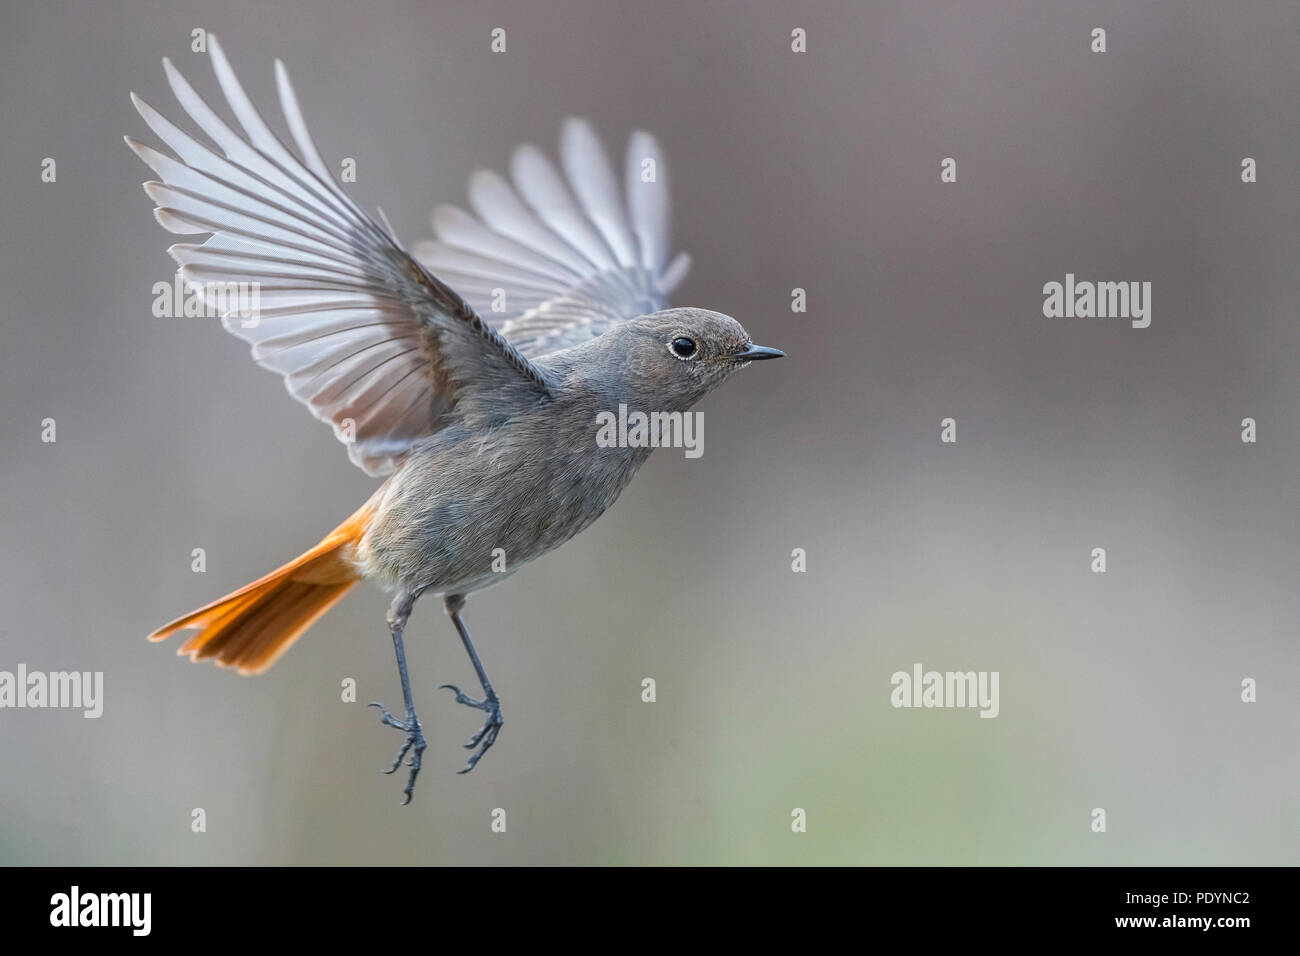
(818, 171)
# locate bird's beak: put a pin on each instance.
(753, 353)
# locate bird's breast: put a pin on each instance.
(466, 511)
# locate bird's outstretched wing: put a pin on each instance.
(368, 338)
(553, 264)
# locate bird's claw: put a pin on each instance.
(414, 744)
(486, 735)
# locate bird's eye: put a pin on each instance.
(683, 347)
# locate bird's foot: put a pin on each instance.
(414, 745)
(486, 735)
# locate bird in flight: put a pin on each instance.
(470, 372)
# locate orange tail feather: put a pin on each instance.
(250, 628)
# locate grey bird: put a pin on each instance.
(472, 370)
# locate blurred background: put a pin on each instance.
(819, 171)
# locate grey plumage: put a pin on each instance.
(532, 480)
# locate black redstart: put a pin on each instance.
(487, 431)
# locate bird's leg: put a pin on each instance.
(486, 736)
(398, 613)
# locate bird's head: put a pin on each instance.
(671, 359)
